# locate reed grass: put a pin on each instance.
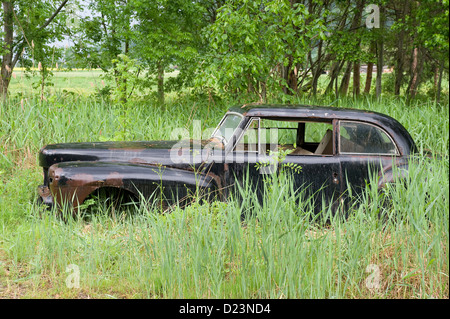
(279, 250)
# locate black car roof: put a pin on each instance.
(309, 111)
(316, 113)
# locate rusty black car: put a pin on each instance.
(336, 148)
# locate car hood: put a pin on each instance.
(169, 153)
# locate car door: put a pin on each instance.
(244, 161)
(319, 178)
(364, 149)
(315, 169)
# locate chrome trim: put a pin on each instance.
(221, 122)
(243, 132)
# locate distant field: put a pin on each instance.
(82, 82)
(78, 81)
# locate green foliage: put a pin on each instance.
(250, 41)
(125, 74)
(29, 29)
(277, 160)
(160, 35)
(239, 48)
(102, 36)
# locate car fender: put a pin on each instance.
(392, 174)
(73, 182)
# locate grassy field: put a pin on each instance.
(80, 82)
(207, 251)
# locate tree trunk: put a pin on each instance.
(263, 93)
(356, 64)
(160, 83)
(416, 70)
(250, 88)
(290, 78)
(439, 83)
(369, 74)
(346, 79)
(399, 69)
(380, 56)
(7, 67)
(379, 68)
(356, 79)
(436, 76)
(318, 71)
(399, 63)
(334, 73)
(368, 78)
(400, 54)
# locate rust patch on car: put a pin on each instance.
(73, 190)
(219, 183)
(137, 160)
(55, 172)
(114, 179)
(81, 180)
(44, 191)
(215, 143)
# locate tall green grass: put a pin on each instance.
(279, 250)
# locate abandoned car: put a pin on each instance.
(335, 148)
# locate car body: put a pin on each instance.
(336, 148)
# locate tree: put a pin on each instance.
(256, 46)
(166, 34)
(105, 33)
(420, 38)
(103, 36)
(430, 41)
(29, 27)
(158, 35)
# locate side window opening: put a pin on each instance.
(363, 138)
(299, 137)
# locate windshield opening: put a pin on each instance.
(227, 126)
